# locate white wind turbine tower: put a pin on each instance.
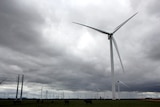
(118, 87)
(111, 38)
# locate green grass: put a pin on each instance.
(81, 103)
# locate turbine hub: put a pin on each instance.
(110, 35)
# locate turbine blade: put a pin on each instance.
(93, 28)
(116, 46)
(118, 27)
(123, 84)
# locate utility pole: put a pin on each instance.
(22, 87)
(17, 87)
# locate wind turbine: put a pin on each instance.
(118, 87)
(111, 38)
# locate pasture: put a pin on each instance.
(81, 103)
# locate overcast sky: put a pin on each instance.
(39, 40)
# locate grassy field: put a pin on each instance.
(81, 103)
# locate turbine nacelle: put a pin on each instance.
(110, 36)
(120, 82)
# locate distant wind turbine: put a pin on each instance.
(111, 38)
(118, 87)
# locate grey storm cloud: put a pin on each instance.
(39, 40)
(18, 23)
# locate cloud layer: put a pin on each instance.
(39, 40)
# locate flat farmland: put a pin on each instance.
(80, 103)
